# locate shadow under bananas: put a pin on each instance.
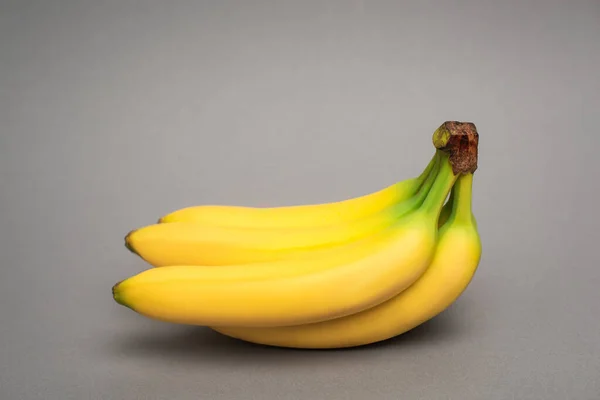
(203, 345)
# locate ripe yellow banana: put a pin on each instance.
(299, 292)
(300, 216)
(454, 264)
(194, 243)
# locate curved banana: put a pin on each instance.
(455, 262)
(192, 243)
(301, 293)
(300, 216)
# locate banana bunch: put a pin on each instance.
(333, 275)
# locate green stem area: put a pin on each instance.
(461, 206)
(443, 184)
(403, 207)
(446, 209)
(428, 170)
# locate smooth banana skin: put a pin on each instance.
(298, 294)
(300, 216)
(301, 263)
(193, 243)
(455, 262)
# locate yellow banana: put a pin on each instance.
(301, 294)
(194, 243)
(453, 266)
(300, 216)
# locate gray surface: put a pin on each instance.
(115, 112)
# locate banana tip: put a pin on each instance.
(165, 219)
(128, 242)
(118, 296)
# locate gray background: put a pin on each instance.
(115, 112)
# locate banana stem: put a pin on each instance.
(400, 209)
(429, 182)
(428, 169)
(447, 209)
(460, 140)
(461, 206)
(441, 187)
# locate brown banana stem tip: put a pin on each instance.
(461, 141)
